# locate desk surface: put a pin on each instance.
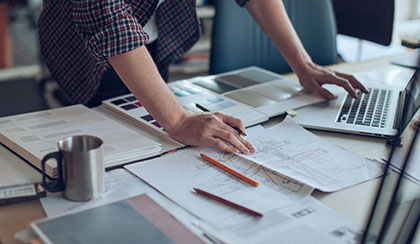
(354, 202)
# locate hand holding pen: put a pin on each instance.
(212, 129)
(240, 132)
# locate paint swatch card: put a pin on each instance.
(129, 107)
(189, 95)
(265, 91)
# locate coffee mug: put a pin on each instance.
(80, 168)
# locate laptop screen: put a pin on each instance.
(411, 101)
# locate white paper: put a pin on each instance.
(119, 179)
(308, 221)
(175, 175)
(14, 171)
(283, 184)
(290, 150)
(120, 185)
(26, 235)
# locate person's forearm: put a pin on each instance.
(139, 73)
(271, 15)
(137, 70)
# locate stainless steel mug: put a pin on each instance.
(80, 168)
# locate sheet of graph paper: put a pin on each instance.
(56, 204)
(307, 221)
(292, 151)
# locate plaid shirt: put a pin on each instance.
(78, 36)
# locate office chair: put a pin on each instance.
(237, 41)
(371, 20)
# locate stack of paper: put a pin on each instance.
(288, 164)
(176, 174)
(33, 135)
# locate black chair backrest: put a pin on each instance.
(371, 20)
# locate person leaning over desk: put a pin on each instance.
(86, 43)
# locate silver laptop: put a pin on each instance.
(375, 114)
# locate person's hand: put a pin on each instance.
(314, 76)
(211, 129)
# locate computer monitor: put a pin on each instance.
(396, 210)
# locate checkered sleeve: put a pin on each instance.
(242, 2)
(107, 27)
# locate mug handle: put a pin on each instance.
(57, 184)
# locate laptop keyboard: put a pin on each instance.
(369, 110)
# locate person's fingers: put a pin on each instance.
(242, 139)
(231, 138)
(232, 121)
(340, 81)
(250, 147)
(238, 123)
(354, 82)
(219, 144)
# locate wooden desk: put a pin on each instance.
(354, 202)
(16, 217)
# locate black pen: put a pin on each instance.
(234, 127)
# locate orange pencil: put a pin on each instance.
(227, 202)
(227, 169)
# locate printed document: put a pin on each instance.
(175, 175)
(33, 135)
(292, 151)
(307, 221)
(119, 184)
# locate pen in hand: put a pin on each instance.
(204, 109)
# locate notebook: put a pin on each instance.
(33, 135)
(137, 219)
